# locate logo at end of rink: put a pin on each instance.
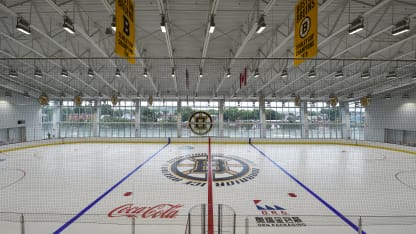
(275, 216)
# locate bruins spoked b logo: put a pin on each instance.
(193, 170)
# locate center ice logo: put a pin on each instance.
(193, 170)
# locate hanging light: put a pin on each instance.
(8, 93)
(26, 94)
(406, 95)
(312, 73)
(212, 25)
(256, 73)
(387, 96)
(401, 27)
(145, 72)
(12, 73)
(356, 25)
(414, 76)
(163, 24)
(90, 73)
(284, 73)
(173, 72)
(228, 74)
(38, 73)
(391, 75)
(339, 74)
(365, 74)
(350, 96)
(113, 24)
(200, 73)
(261, 25)
(64, 72)
(68, 25)
(23, 26)
(118, 73)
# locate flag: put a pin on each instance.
(245, 76)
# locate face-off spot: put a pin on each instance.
(126, 194)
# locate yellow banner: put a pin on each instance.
(306, 30)
(125, 38)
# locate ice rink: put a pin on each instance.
(272, 188)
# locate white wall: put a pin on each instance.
(17, 108)
(396, 113)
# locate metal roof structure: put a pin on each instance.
(189, 47)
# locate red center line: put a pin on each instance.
(210, 196)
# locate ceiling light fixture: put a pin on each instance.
(401, 27)
(261, 25)
(163, 24)
(256, 73)
(145, 72)
(200, 73)
(414, 76)
(118, 73)
(228, 74)
(212, 25)
(339, 74)
(90, 73)
(365, 74)
(38, 73)
(406, 95)
(68, 25)
(113, 24)
(350, 96)
(312, 73)
(23, 26)
(64, 72)
(284, 73)
(12, 73)
(173, 72)
(387, 96)
(356, 25)
(26, 94)
(391, 75)
(8, 93)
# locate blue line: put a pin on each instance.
(335, 211)
(82, 212)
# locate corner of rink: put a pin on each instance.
(204, 140)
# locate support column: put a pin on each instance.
(137, 121)
(221, 118)
(345, 120)
(96, 118)
(56, 119)
(262, 117)
(304, 120)
(179, 119)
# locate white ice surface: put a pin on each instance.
(62, 180)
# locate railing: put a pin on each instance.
(194, 223)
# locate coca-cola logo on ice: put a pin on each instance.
(162, 211)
